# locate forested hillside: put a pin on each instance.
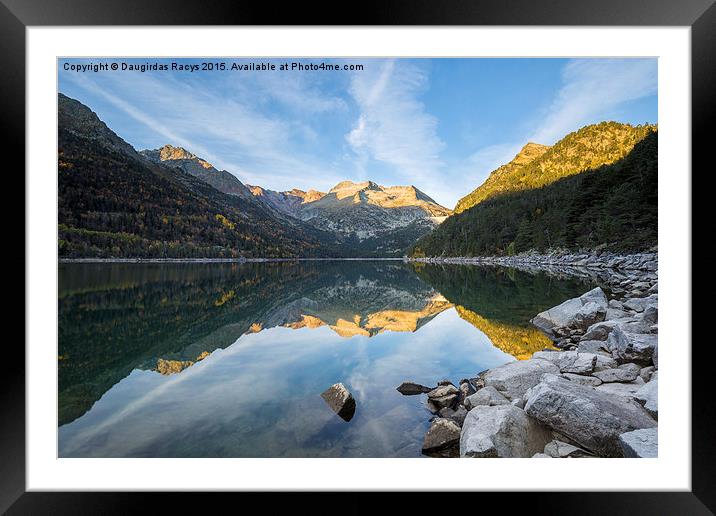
(115, 203)
(612, 206)
(538, 165)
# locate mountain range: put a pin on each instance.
(365, 217)
(114, 202)
(168, 202)
(288, 202)
(596, 187)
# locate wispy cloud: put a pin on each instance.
(393, 127)
(296, 92)
(591, 90)
(230, 130)
(141, 116)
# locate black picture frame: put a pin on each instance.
(17, 15)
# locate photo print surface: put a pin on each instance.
(445, 257)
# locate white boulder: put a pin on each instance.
(514, 378)
(643, 443)
(569, 361)
(488, 395)
(579, 312)
(639, 304)
(501, 431)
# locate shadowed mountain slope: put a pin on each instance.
(114, 202)
(613, 207)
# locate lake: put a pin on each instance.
(230, 359)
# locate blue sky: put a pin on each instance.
(439, 124)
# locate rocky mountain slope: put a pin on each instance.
(289, 202)
(115, 202)
(374, 219)
(595, 188)
(222, 180)
(367, 209)
(366, 219)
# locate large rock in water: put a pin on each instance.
(593, 419)
(579, 312)
(340, 400)
(466, 389)
(443, 396)
(632, 347)
(514, 378)
(411, 388)
(501, 431)
(640, 443)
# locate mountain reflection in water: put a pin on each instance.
(126, 330)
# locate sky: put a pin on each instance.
(441, 125)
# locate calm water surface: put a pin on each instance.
(229, 360)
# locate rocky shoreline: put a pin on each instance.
(647, 261)
(597, 396)
(617, 271)
(215, 260)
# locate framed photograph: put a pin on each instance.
(419, 249)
